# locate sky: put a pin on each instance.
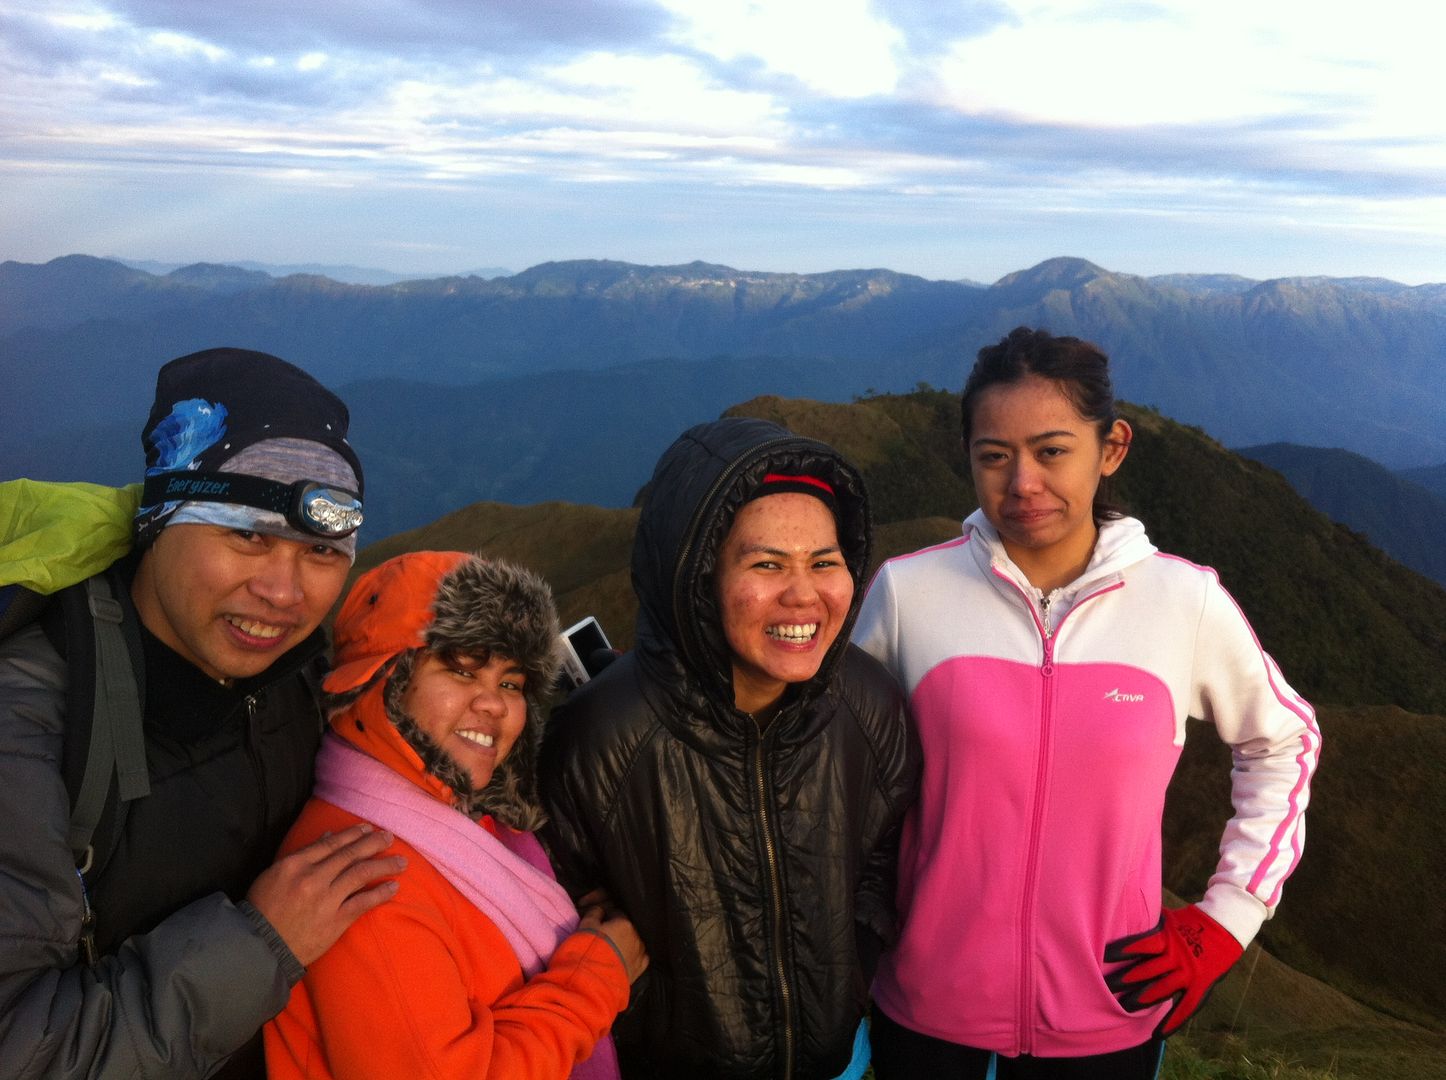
(953, 140)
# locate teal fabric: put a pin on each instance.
(863, 1054)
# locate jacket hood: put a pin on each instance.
(688, 507)
(431, 601)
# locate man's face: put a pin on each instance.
(231, 601)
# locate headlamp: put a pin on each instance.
(311, 507)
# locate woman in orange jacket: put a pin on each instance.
(479, 967)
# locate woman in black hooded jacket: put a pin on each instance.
(754, 848)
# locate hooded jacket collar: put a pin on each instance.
(365, 725)
(1121, 543)
(690, 502)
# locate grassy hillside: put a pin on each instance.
(1349, 984)
(583, 552)
(1363, 911)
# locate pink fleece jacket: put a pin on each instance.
(1048, 745)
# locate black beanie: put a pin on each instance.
(213, 404)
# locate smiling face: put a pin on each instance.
(473, 709)
(231, 602)
(784, 592)
(1036, 464)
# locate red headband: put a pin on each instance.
(780, 478)
(782, 484)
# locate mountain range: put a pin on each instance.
(565, 381)
(1403, 518)
(351, 275)
(1347, 978)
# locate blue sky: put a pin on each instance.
(952, 140)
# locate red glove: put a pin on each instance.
(1182, 958)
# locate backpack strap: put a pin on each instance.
(117, 737)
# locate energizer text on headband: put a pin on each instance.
(315, 508)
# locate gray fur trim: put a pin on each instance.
(489, 606)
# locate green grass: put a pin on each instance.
(1232, 1059)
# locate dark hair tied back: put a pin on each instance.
(1078, 367)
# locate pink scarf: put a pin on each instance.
(507, 877)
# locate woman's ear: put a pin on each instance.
(1117, 445)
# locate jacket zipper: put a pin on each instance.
(785, 990)
(1024, 1040)
(253, 752)
(1041, 775)
(89, 955)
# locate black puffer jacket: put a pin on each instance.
(757, 865)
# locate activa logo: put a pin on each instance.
(1116, 695)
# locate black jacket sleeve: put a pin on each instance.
(173, 1002)
(878, 706)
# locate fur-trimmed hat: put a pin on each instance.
(450, 601)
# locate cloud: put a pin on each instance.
(840, 48)
(1024, 109)
(424, 28)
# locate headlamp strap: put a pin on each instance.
(245, 490)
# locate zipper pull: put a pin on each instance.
(88, 954)
(1048, 669)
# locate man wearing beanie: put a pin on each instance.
(144, 929)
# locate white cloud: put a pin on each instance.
(835, 47)
(1181, 63)
(172, 44)
(1236, 110)
(93, 20)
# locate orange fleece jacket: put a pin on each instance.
(427, 986)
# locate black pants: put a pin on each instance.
(903, 1054)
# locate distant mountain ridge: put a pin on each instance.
(1430, 477)
(348, 274)
(617, 355)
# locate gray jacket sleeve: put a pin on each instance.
(171, 1003)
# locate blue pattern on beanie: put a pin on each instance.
(195, 425)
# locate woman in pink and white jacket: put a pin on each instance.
(1051, 656)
